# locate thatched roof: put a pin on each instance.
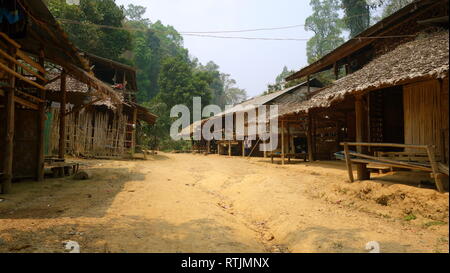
(74, 85)
(404, 21)
(425, 57)
(247, 105)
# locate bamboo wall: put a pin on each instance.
(91, 133)
(426, 114)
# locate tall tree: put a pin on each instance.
(357, 16)
(81, 23)
(231, 94)
(327, 28)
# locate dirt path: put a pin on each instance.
(197, 203)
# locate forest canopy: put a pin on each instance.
(167, 74)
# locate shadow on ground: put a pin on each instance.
(66, 197)
(129, 234)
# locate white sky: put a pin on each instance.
(253, 64)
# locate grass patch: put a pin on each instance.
(434, 223)
(409, 217)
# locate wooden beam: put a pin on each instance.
(30, 61)
(29, 70)
(396, 145)
(14, 73)
(29, 96)
(62, 118)
(26, 103)
(435, 167)
(309, 139)
(348, 162)
(9, 131)
(41, 125)
(282, 143)
(9, 40)
(133, 134)
(394, 162)
(361, 169)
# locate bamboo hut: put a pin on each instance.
(235, 145)
(391, 107)
(98, 128)
(31, 40)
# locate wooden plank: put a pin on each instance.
(30, 61)
(29, 96)
(398, 163)
(348, 162)
(397, 145)
(435, 167)
(14, 73)
(443, 168)
(26, 103)
(29, 70)
(9, 40)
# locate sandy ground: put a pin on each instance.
(198, 203)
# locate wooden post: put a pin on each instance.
(309, 139)
(229, 147)
(336, 71)
(133, 133)
(361, 169)
(62, 117)
(218, 148)
(9, 132)
(435, 168)
(282, 142)
(288, 138)
(41, 126)
(308, 85)
(243, 148)
(348, 163)
(208, 148)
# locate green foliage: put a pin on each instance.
(104, 42)
(391, 6)
(357, 16)
(327, 28)
(410, 217)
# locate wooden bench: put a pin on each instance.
(303, 156)
(61, 169)
(423, 161)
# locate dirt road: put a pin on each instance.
(197, 203)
